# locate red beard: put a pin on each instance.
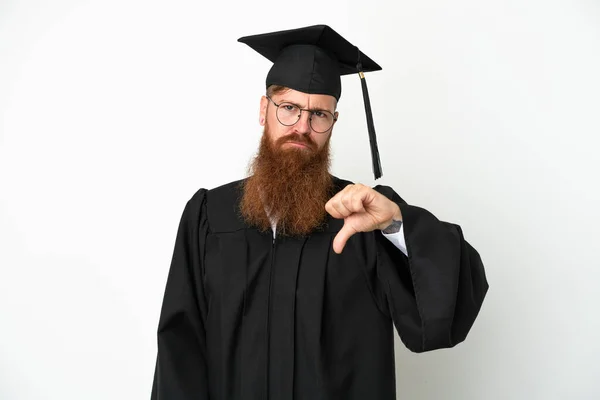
(292, 183)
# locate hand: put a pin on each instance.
(363, 210)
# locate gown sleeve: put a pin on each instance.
(434, 294)
(181, 371)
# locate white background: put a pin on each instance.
(113, 113)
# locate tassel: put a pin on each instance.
(370, 125)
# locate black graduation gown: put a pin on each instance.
(248, 317)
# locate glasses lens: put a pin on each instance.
(321, 121)
(288, 114)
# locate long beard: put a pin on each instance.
(291, 184)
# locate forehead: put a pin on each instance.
(307, 100)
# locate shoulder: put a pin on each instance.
(220, 206)
(339, 183)
(217, 194)
(217, 206)
(225, 195)
(227, 190)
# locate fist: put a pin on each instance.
(363, 210)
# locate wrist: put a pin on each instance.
(398, 214)
(393, 225)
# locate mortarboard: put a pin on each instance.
(311, 60)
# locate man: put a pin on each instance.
(287, 284)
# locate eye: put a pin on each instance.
(288, 107)
(320, 114)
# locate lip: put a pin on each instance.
(297, 144)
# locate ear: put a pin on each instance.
(335, 115)
(262, 115)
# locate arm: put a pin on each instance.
(435, 293)
(181, 371)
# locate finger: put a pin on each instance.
(344, 203)
(342, 209)
(332, 209)
(353, 201)
(336, 208)
(339, 242)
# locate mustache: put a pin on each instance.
(294, 137)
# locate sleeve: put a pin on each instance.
(435, 293)
(181, 370)
(397, 239)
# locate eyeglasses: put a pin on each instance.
(288, 114)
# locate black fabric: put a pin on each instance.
(248, 317)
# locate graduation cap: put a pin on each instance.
(311, 60)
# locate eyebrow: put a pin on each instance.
(310, 109)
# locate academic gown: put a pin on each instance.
(248, 316)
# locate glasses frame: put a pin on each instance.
(300, 116)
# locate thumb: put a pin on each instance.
(339, 242)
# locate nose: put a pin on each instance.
(303, 124)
